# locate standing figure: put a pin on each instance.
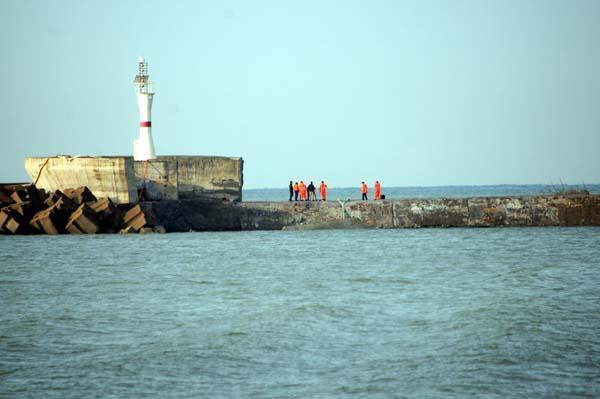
(302, 188)
(364, 190)
(323, 190)
(377, 190)
(291, 190)
(296, 191)
(311, 192)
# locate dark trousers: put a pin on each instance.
(364, 197)
(295, 195)
(291, 194)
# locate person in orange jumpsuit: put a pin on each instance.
(377, 190)
(296, 191)
(302, 188)
(364, 190)
(323, 190)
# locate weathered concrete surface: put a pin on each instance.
(208, 177)
(196, 215)
(121, 178)
(161, 179)
(105, 176)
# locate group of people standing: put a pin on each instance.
(302, 192)
(307, 193)
(365, 190)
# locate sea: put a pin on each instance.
(404, 313)
(349, 193)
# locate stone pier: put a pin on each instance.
(195, 215)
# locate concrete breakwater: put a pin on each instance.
(579, 209)
(25, 209)
(121, 177)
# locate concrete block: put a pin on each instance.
(55, 197)
(27, 193)
(64, 205)
(83, 220)
(46, 221)
(136, 218)
(19, 196)
(4, 216)
(107, 214)
(26, 209)
(80, 195)
(132, 213)
(53, 219)
(137, 222)
(73, 229)
(12, 222)
(104, 207)
(15, 226)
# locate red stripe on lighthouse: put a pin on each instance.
(146, 124)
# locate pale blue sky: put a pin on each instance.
(407, 92)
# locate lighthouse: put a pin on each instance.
(143, 147)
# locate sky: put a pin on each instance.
(412, 93)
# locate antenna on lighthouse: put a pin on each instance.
(143, 147)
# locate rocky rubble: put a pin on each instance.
(24, 209)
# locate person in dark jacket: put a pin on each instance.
(311, 192)
(291, 190)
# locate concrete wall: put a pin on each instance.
(105, 176)
(467, 212)
(161, 179)
(208, 177)
(167, 178)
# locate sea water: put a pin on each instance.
(425, 313)
(344, 193)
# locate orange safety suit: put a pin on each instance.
(377, 190)
(323, 190)
(302, 188)
(364, 190)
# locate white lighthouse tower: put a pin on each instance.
(143, 147)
